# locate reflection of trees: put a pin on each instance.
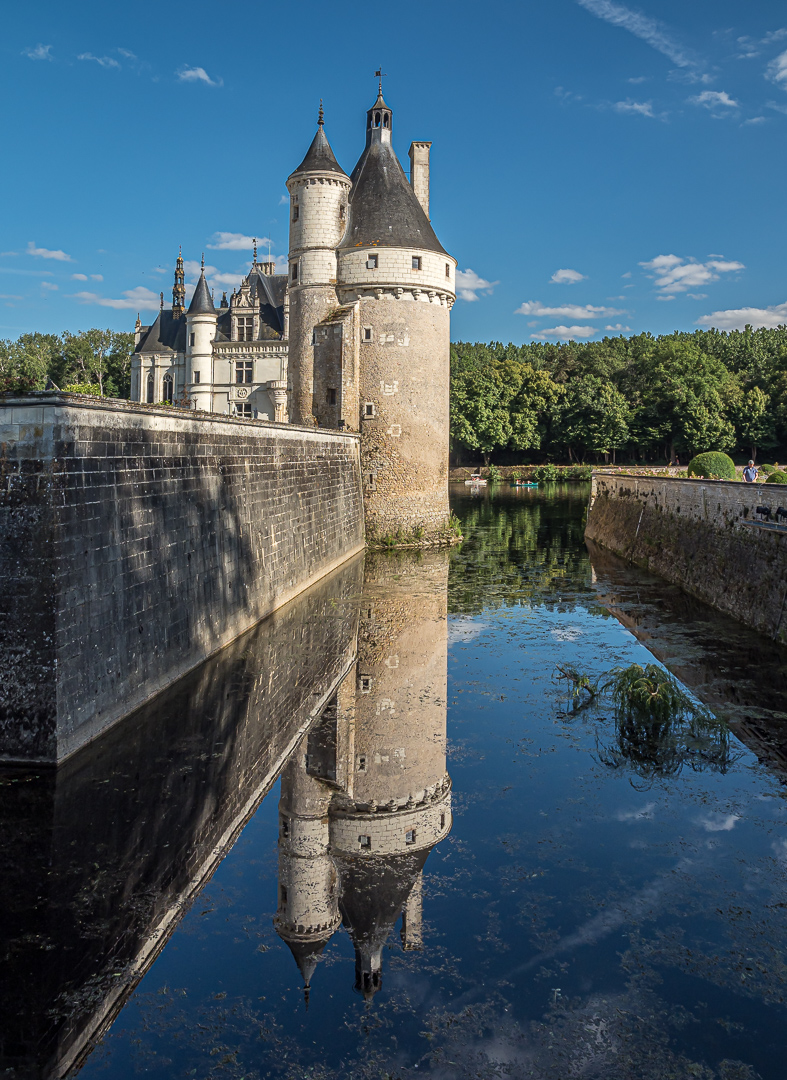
(515, 552)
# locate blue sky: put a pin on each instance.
(595, 164)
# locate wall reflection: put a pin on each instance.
(366, 795)
(98, 859)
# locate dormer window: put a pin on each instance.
(245, 328)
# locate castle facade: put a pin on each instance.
(355, 336)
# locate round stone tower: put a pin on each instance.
(201, 319)
(391, 261)
(319, 190)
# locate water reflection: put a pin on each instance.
(366, 796)
(99, 858)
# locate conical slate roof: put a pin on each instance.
(320, 157)
(383, 210)
(201, 301)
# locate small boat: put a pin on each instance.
(476, 479)
(524, 483)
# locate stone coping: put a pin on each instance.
(614, 474)
(43, 398)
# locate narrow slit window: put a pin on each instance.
(285, 828)
(362, 764)
(196, 376)
(447, 269)
(294, 272)
(283, 894)
(295, 212)
(331, 396)
(191, 339)
(151, 389)
(442, 821)
(367, 333)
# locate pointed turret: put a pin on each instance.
(201, 301)
(319, 157)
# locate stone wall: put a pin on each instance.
(137, 541)
(702, 535)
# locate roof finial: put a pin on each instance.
(203, 260)
(162, 301)
(254, 241)
(380, 74)
(320, 116)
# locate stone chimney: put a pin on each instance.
(268, 268)
(419, 172)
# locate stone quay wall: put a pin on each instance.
(703, 535)
(137, 541)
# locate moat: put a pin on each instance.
(474, 878)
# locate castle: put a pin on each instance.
(355, 336)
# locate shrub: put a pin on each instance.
(712, 466)
(493, 474)
(546, 473)
(92, 389)
(777, 477)
(766, 470)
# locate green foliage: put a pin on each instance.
(94, 357)
(777, 477)
(546, 473)
(712, 466)
(637, 398)
(493, 474)
(82, 388)
(766, 470)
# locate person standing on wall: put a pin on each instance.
(750, 473)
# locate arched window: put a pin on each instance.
(168, 388)
(376, 119)
(386, 118)
(151, 389)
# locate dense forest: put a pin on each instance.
(93, 361)
(641, 398)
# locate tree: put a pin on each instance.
(754, 421)
(99, 356)
(26, 362)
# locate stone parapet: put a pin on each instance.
(136, 541)
(707, 536)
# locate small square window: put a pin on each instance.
(365, 683)
(243, 408)
(362, 763)
(371, 262)
(368, 409)
(196, 376)
(367, 333)
(331, 397)
(409, 836)
(416, 262)
(365, 842)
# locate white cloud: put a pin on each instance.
(566, 311)
(230, 280)
(756, 120)
(160, 270)
(193, 268)
(49, 285)
(197, 74)
(619, 328)
(715, 100)
(567, 277)
(235, 241)
(97, 277)
(776, 71)
(673, 273)
(10, 296)
(133, 299)
(40, 52)
(641, 108)
(79, 277)
(127, 54)
(626, 275)
(645, 813)
(469, 285)
(284, 200)
(697, 295)
(637, 80)
(737, 318)
(566, 333)
(104, 61)
(716, 822)
(46, 253)
(648, 30)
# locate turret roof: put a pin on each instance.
(201, 301)
(320, 157)
(383, 208)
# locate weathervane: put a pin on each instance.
(254, 242)
(380, 74)
(320, 116)
(203, 260)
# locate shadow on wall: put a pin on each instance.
(99, 857)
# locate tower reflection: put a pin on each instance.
(366, 795)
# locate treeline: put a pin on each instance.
(93, 361)
(641, 398)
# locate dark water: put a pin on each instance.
(475, 878)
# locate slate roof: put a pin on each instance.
(383, 209)
(166, 334)
(320, 157)
(201, 301)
